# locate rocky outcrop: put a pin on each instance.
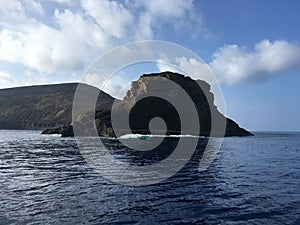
(157, 95)
(64, 131)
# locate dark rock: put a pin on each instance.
(144, 103)
(64, 131)
(233, 129)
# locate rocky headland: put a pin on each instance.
(147, 100)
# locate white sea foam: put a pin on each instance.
(145, 136)
(52, 135)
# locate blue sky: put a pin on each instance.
(252, 47)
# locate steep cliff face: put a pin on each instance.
(158, 95)
(40, 107)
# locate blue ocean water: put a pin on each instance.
(253, 180)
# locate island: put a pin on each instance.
(49, 107)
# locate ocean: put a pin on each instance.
(253, 180)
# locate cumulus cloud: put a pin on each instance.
(169, 8)
(195, 68)
(198, 69)
(156, 13)
(233, 64)
(163, 66)
(65, 47)
(69, 36)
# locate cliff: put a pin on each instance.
(197, 90)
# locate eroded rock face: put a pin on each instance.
(172, 98)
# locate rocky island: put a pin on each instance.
(49, 107)
(146, 100)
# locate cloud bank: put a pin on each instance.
(233, 64)
(68, 35)
(64, 36)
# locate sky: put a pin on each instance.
(252, 47)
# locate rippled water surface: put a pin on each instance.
(254, 180)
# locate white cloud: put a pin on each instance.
(111, 16)
(198, 69)
(163, 66)
(41, 47)
(233, 64)
(116, 85)
(63, 1)
(34, 77)
(67, 39)
(168, 8)
(33, 6)
(192, 67)
(144, 30)
(6, 78)
(12, 13)
(157, 13)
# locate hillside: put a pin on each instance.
(41, 107)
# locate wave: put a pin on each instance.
(51, 135)
(145, 136)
